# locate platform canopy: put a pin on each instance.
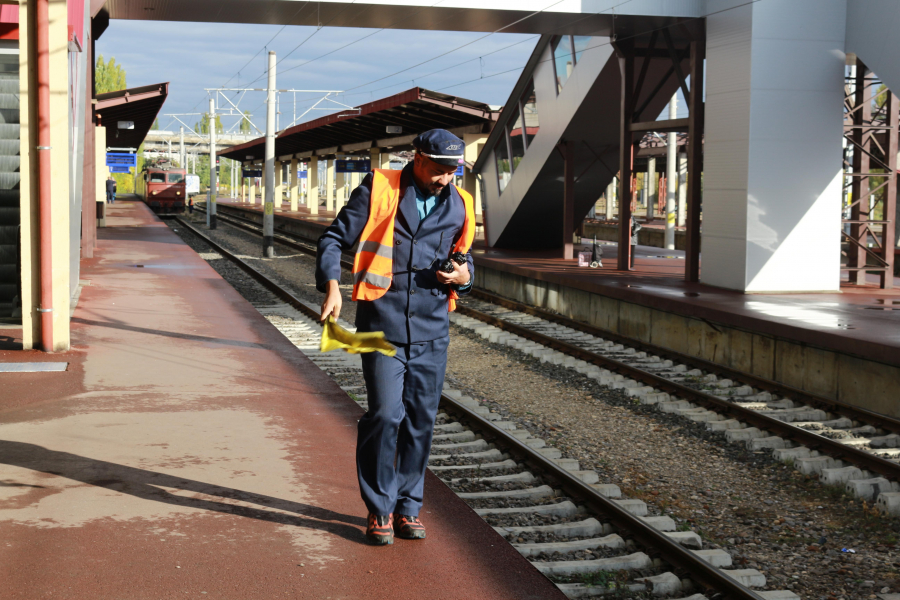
(391, 122)
(129, 114)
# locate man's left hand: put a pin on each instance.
(459, 276)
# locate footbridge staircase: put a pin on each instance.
(568, 99)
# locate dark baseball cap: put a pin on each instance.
(441, 146)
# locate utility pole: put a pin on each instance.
(213, 176)
(269, 202)
(671, 175)
(181, 160)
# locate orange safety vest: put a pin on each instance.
(373, 266)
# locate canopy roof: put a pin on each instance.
(413, 111)
(139, 105)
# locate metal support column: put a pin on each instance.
(889, 228)
(695, 162)
(213, 175)
(611, 198)
(626, 147)
(295, 184)
(568, 151)
(339, 191)
(671, 175)
(278, 198)
(861, 184)
(269, 206)
(329, 185)
(312, 185)
(682, 189)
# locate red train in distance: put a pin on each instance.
(162, 188)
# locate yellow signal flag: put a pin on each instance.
(335, 337)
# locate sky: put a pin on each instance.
(194, 56)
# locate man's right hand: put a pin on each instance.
(332, 303)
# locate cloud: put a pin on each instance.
(194, 56)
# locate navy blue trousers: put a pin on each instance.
(394, 438)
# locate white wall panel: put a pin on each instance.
(717, 255)
(726, 148)
(784, 207)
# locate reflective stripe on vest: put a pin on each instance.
(373, 264)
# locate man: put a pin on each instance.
(111, 190)
(406, 224)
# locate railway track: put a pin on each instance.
(576, 530)
(841, 444)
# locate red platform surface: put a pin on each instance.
(191, 451)
(862, 321)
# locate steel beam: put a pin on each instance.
(859, 187)
(695, 161)
(889, 228)
(625, 57)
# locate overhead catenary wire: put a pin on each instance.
(612, 8)
(319, 27)
(480, 57)
(347, 45)
(392, 25)
(507, 26)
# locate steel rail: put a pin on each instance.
(860, 458)
(654, 541)
(834, 406)
(282, 237)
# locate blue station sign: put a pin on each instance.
(121, 159)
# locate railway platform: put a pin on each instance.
(843, 346)
(190, 450)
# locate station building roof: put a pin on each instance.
(139, 105)
(414, 111)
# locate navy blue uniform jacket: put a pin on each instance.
(414, 309)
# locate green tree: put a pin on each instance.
(245, 123)
(110, 77)
(155, 126)
(202, 127)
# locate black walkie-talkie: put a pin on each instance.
(457, 257)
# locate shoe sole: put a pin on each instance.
(411, 537)
(380, 540)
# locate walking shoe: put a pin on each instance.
(409, 528)
(379, 531)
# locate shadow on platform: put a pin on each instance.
(170, 334)
(148, 485)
